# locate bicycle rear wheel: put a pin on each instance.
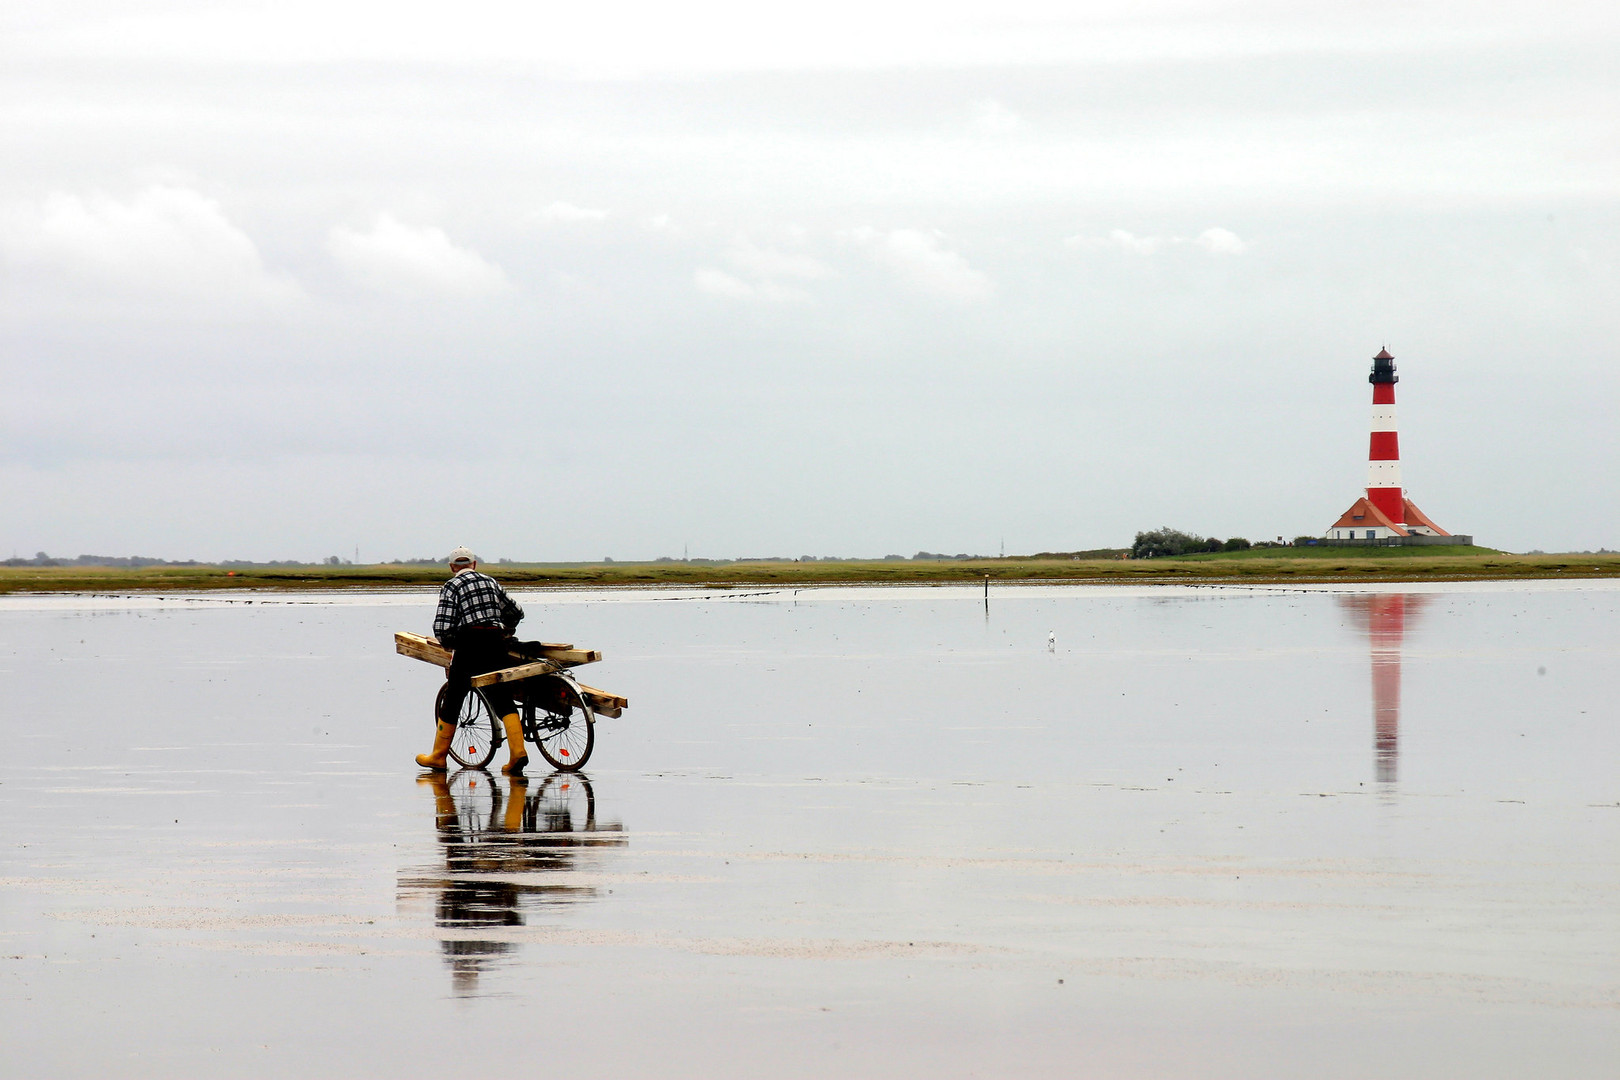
(558, 720)
(477, 730)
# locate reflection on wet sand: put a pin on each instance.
(1384, 617)
(494, 841)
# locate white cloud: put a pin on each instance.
(616, 40)
(763, 273)
(568, 213)
(1125, 241)
(1221, 242)
(770, 263)
(1216, 241)
(919, 259)
(991, 117)
(400, 258)
(719, 283)
(164, 241)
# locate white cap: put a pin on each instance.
(462, 555)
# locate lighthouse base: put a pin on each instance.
(1366, 521)
(1413, 540)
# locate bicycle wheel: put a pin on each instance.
(565, 804)
(559, 721)
(477, 730)
(475, 795)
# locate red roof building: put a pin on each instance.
(1364, 521)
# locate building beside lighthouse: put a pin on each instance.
(1384, 513)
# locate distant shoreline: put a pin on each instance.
(1274, 566)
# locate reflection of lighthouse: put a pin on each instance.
(1383, 617)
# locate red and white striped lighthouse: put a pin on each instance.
(1384, 511)
(1384, 452)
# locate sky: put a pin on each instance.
(565, 282)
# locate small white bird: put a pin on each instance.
(1051, 641)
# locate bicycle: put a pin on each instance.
(559, 713)
(557, 717)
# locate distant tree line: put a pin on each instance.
(135, 561)
(42, 559)
(1157, 543)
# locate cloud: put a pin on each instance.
(165, 241)
(399, 258)
(919, 259)
(568, 213)
(1125, 241)
(719, 283)
(991, 117)
(763, 272)
(1221, 242)
(1215, 241)
(770, 263)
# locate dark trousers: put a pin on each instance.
(477, 651)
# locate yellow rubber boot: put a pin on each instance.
(514, 745)
(444, 805)
(441, 748)
(516, 795)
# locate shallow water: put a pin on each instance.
(1102, 831)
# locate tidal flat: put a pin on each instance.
(1077, 830)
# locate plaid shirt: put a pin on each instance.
(472, 599)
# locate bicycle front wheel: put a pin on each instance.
(477, 730)
(559, 721)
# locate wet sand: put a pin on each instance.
(1206, 832)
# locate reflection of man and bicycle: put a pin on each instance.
(508, 849)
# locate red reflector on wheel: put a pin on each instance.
(565, 751)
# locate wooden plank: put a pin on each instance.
(612, 699)
(429, 649)
(604, 703)
(422, 648)
(513, 674)
(569, 657)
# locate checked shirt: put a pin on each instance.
(472, 599)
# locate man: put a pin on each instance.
(474, 620)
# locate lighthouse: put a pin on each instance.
(1384, 449)
(1385, 511)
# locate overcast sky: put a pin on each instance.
(284, 280)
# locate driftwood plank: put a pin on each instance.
(429, 649)
(569, 657)
(513, 674)
(604, 703)
(422, 648)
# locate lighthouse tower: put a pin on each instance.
(1384, 511)
(1384, 452)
